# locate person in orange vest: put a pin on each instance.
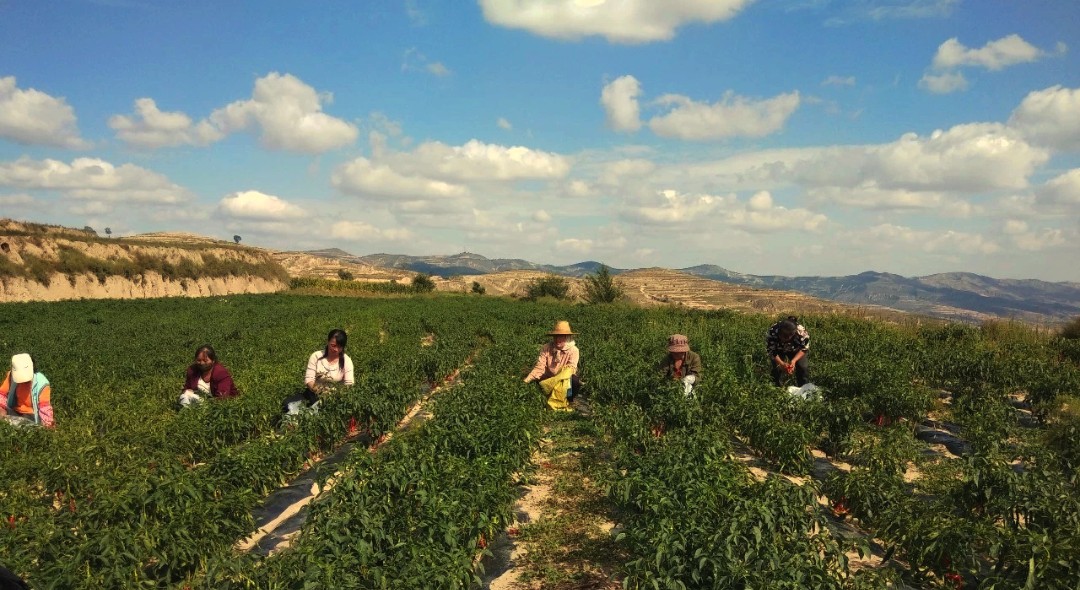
(26, 394)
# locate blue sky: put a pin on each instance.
(800, 137)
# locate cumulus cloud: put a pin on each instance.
(255, 205)
(362, 177)
(32, 117)
(93, 178)
(150, 127)
(615, 173)
(504, 124)
(732, 116)
(287, 115)
(1062, 190)
(620, 101)
(968, 158)
(626, 21)
(360, 231)
(945, 83)
(949, 241)
(1050, 117)
(870, 196)
(541, 216)
(995, 55)
(575, 245)
(759, 214)
(476, 161)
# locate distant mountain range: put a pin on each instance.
(934, 295)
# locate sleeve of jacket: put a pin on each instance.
(804, 338)
(222, 385)
(575, 356)
(772, 341)
(539, 367)
(45, 409)
(693, 365)
(191, 379)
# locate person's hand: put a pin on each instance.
(3, 410)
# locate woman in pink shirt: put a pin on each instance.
(556, 355)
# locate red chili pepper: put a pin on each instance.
(482, 542)
(11, 521)
(71, 505)
(955, 579)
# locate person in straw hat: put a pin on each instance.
(560, 353)
(681, 363)
(25, 394)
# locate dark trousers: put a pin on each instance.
(802, 369)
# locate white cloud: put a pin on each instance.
(415, 61)
(576, 245)
(541, 216)
(1013, 227)
(971, 157)
(259, 206)
(287, 114)
(504, 124)
(835, 80)
(614, 173)
(152, 128)
(32, 117)
(365, 178)
(478, 161)
(1062, 190)
(619, 99)
(945, 83)
(888, 235)
(870, 196)
(623, 21)
(1050, 117)
(359, 231)
(995, 55)
(759, 214)
(16, 200)
(1031, 240)
(92, 179)
(732, 116)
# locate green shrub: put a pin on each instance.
(422, 283)
(548, 286)
(478, 288)
(1071, 331)
(345, 275)
(601, 287)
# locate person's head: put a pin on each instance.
(22, 368)
(786, 331)
(561, 334)
(335, 345)
(678, 346)
(205, 357)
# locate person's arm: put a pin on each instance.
(309, 373)
(575, 356)
(693, 364)
(350, 376)
(538, 368)
(191, 380)
(4, 389)
(223, 385)
(45, 410)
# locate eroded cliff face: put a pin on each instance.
(24, 244)
(151, 284)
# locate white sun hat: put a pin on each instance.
(22, 368)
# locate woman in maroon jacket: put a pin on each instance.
(206, 377)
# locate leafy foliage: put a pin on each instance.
(1071, 331)
(478, 288)
(345, 275)
(423, 283)
(601, 287)
(547, 286)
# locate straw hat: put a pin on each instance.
(562, 328)
(678, 343)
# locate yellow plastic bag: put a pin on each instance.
(556, 388)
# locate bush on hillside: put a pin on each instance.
(1071, 331)
(345, 275)
(423, 283)
(547, 286)
(478, 288)
(601, 287)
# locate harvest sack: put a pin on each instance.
(557, 387)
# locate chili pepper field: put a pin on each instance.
(131, 492)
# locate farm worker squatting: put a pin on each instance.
(26, 394)
(788, 344)
(325, 368)
(681, 363)
(557, 366)
(206, 377)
